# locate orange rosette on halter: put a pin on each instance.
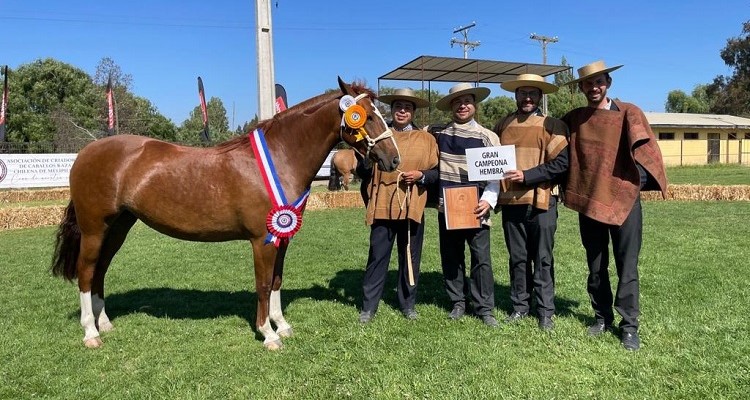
(355, 116)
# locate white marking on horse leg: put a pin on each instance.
(91, 335)
(283, 329)
(102, 320)
(272, 340)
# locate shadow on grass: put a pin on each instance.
(344, 288)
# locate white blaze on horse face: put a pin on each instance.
(87, 317)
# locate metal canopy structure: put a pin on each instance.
(450, 69)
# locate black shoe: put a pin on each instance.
(457, 312)
(546, 323)
(366, 316)
(489, 320)
(630, 341)
(598, 328)
(410, 314)
(516, 316)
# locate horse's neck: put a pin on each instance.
(299, 148)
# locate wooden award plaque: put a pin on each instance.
(459, 203)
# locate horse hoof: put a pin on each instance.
(285, 333)
(274, 345)
(106, 327)
(93, 343)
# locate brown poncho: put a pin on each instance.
(603, 181)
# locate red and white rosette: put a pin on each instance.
(283, 221)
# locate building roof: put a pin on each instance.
(450, 69)
(685, 120)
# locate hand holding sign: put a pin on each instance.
(490, 163)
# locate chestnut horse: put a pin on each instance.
(343, 168)
(207, 195)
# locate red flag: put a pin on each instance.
(4, 105)
(110, 108)
(280, 98)
(204, 110)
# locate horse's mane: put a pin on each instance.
(308, 106)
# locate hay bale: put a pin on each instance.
(20, 196)
(30, 217)
(702, 193)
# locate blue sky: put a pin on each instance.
(166, 45)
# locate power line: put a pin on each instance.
(544, 40)
(465, 43)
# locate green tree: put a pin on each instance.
(731, 94)
(51, 101)
(567, 97)
(679, 102)
(490, 111)
(218, 124)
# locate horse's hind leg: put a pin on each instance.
(112, 243)
(283, 329)
(86, 267)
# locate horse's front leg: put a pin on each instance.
(264, 257)
(283, 328)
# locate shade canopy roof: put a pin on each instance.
(450, 69)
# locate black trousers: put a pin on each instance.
(481, 284)
(626, 247)
(382, 235)
(530, 238)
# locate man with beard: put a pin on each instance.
(613, 156)
(528, 197)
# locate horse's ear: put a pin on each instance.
(344, 87)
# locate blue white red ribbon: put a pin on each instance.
(283, 220)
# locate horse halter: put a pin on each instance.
(354, 119)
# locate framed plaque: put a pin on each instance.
(459, 203)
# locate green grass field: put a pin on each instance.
(712, 174)
(184, 313)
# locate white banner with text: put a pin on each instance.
(18, 171)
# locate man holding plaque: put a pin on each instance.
(464, 207)
(613, 156)
(528, 198)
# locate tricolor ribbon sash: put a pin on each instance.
(283, 220)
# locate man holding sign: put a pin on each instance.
(474, 199)
(528, 197)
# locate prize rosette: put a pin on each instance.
(284, 221)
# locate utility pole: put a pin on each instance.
(544, 40)
(465, 43)
(264, 48)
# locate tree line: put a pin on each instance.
(726, 94)
(51, 101)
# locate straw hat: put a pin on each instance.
(595, 68)
(480, 93)
(404, 94)
(532, 80)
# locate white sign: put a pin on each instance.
(490, 163)
(35, 170)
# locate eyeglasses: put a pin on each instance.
(532, 93)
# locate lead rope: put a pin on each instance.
(405, 205)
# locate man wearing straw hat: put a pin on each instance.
(613, 156)
(462, 133)
(528, 198)
(395, 210)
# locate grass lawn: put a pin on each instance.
(712, 174)
(184, 313)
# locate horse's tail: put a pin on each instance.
(67, 245)
(334, 181)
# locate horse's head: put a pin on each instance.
(364, 128)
